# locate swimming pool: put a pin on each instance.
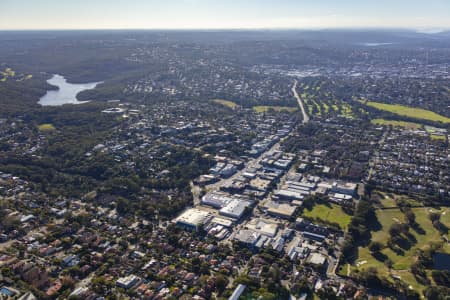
(6, 292)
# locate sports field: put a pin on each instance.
(331, 213)
(261, 109)
(46, 127)
(412, 112)
(407, 125)
(226, 103)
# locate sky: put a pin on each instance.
(224, 14)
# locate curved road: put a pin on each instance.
(300, 103)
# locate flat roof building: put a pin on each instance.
(235, 209)
(260, 184)
(289, 195)
(216, 200)
(283, 210)
(347, 188)
(248, 237)
(313, 236)
(193, 218)
(222, 221)
(219, 200)
(317, 259)
(264, 227)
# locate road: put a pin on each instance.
(300, 102)
(333, 263)
(195, 190)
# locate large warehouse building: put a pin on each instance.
(193, 218)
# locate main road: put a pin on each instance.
(300, 102)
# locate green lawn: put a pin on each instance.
(402, 263)
(412, 112)
(226, 103)
(326, 107)
(407, 125)
(437, 137)
(261, 109)
(346, 110)
(335, 107)
(46, 127)
(332, 213)
(389, 200)
(318, 108)
(10, 73)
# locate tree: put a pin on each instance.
(369, 277)
(221, 283)
(441, 277)
(123, 205)
(410, 217)
(375, 247)
(436, 293)
(204, 268)
(10, 223)
(418, 269)
(67, 282)
(389, 263)
(397, 229)
(434, 217)
(327, 293)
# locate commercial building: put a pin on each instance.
(193, 218)
(317, 259)
(264, 227)
(341, 199)
(216, 199)
(282, 210)
(347, 188)
(278, 244)
(288, 195)
(313, 236)
(247, 237)
(235, 209)
(219, 200)
(282, 164)
(260, 184)
(222, 221)
(311, 230)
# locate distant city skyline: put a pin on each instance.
(231, 14)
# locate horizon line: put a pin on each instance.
(381, 28)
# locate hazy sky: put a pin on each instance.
(186, 14)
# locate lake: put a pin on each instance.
(376, 44)
(66, 93)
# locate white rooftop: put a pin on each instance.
(263, 226)
(317, 259)
(235, 208)
(193, 216)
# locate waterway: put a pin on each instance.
(376, 44)
(66, 92)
